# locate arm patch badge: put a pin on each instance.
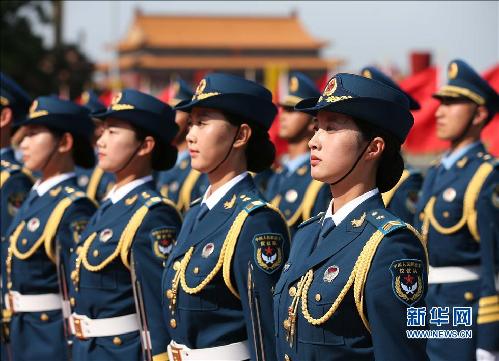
(163, 239)
(268, 251)
(407, 280)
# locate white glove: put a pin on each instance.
(484, 355)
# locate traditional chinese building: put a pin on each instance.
(159, 47)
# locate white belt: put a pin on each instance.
(453, 274)
(234, 352)
(17, 302)
(84, 327)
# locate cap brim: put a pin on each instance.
(73, 124)
(249, 107)
(375, 111)
(309, 106)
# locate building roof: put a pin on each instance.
(210, 32)
(216, 63)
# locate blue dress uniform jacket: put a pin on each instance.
(221, 273)
(458, 212)
(357, 285)
(297, 195)
(182, 184)
(401, 200)
(95, 182)
(142, 224)
(44, 231)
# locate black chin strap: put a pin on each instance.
(461, 136)
(228, 152)
(130, 158)
(52, 152)
(353, 166)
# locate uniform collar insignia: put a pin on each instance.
(131, 200)
(54, 192)
(358, 222)
(230, 204)
(462, 162)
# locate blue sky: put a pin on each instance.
(360, 32)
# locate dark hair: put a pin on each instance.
(260, 151)
(82, 152)
(163, 155)
(391, 164)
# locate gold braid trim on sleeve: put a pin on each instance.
(48, 233)
(357, 278)
(469, 215)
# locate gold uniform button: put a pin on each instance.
(421, 216)
(445, 214)
(173, 323)
(72, 301)
(44, 317)
(176, 265)
(292, 291)
(195, 270)
(9, 285)
(317, 297)
(287, 358)
(95, 253)
(117, 341)
(24, 242)
(169, 294)
(469, 296)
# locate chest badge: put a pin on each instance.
(449, 194)
(106, 235)
(83, 181)
(33, 224)
(207, 250)
(291, 196)
(331, 273)
(173, 186)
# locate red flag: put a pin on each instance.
(422, 137)
(490, 134)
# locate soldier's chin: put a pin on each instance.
(319, 175)
(106, 166)
(199, 165)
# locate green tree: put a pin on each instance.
(40, 70)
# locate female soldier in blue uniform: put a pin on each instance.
(117, 267)
(217, 282)
(15, 181)
(354, 271)
(47, 227)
